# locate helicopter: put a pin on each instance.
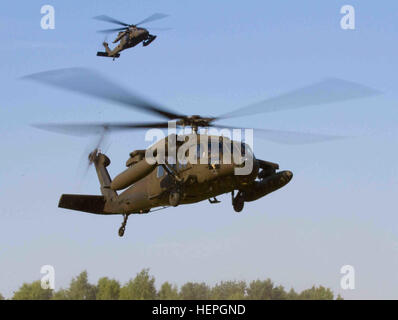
(146, 186)
(129, 35)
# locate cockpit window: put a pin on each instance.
(198, 151)
(214, 149)
(160, 172)
(242, 149)
(181, 166)
(246, 151)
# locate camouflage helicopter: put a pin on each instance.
(146, 186)
(129, 35)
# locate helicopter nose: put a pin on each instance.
(248, 169)
(288, 175)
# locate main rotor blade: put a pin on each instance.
(327, 91)
(106, 18)
(287, 137)
(278, 136)
(85, 129)
(160, 29)
(111, 30)
(153, 17)
(90, 83)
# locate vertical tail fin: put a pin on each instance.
(104, 204)
(101, 161)
(106, 46)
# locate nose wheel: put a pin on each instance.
(123, 226)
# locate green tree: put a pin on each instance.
(1, 297)
(81, 289)
(142, 287)
(32, 291)
(229, 290)
(108, 289)
(168, 292)
(61, 294)
(278, 293)
(260, 290)
(195, 291)
(292, 295)
(316, 293)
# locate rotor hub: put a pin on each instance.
(195, 121)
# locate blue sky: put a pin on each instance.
(220, 55)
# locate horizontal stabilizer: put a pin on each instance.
(105, 54)
(85, 203)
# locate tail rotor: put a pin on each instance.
(92, 156)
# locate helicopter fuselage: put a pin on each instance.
(132, 37)
(193, 182)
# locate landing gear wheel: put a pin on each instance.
(238, 202)
(121, 231)
(123, 227)
(174, 199)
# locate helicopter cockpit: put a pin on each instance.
(215, 150)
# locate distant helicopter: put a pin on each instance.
(145, 187)
(129, 35)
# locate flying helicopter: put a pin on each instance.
(146, 186)
(129, 35)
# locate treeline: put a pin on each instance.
(142, 287)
